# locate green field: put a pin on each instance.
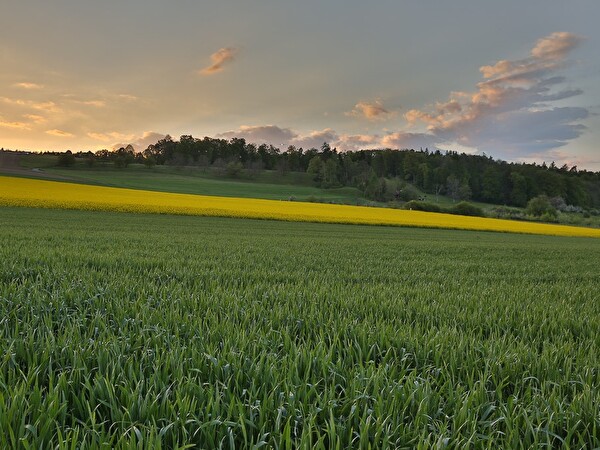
(146, 331)
(195, 180)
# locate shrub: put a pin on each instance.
(233, 169)
(549, 216)
(407, 193)
(505, 212)
(540, 205)
(467, 209)
(422, 206)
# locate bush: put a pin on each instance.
(505, 212)
(466, 209)
(234, 169)
(422, 206)
(540, 205)
(549, 216)
(407, 193)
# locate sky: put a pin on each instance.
(516, 80)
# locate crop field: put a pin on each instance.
(53, 194)
(145, 331)
(191, 180)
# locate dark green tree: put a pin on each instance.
(66, 159)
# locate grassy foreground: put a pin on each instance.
(53, 194)
(150, 331)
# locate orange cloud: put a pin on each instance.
(99, 137)
(59, 133)
(556, 46)
(35, 118)
(14, 125)
(46, 106)
(95, 103)
(14, 101)
(27, 85)
(127, 97)
(219, 59)
(371, 111)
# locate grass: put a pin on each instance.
(148, 331)
(52, 194)
(266, 184)
(194, 180)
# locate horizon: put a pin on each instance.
(355, 76)
(442, 151)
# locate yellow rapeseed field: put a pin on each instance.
(53, 194)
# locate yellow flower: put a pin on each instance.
(52, 194)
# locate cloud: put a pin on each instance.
(139, 143)
(347, 142)
(99, 136)
(219, 59)
(36, 118)
(60, 133)
(510, 112)
(27, 85)
(371, 111)
(48, 106)
(556, 46)
(560, 158)
(13, 125)
(127, 97)
(284, 137)
(94, 103)
(270, 134)
(14, 101)
(281, 137)
(315, 139)
(403, 140)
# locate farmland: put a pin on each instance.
(52, 194)
(156, 331)
(187, 180)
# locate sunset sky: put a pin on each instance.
(518, 80)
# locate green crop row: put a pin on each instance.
(147, 331)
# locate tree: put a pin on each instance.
(124, 156)
(150, 161)
(329, 172)
(518, 193)
(453, 187)
(464, 191)
(315, 169)
(66, 159)
(376, 187)
(492, 185)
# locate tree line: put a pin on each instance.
(383, 175)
